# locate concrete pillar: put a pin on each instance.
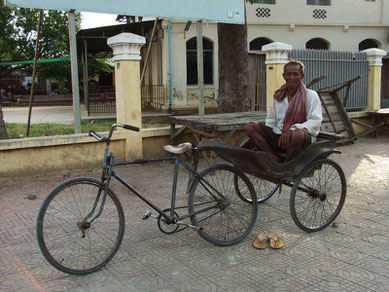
(126, 54)
(374, 56)
(277, 55)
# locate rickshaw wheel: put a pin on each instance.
(263, 188)
(318, 195)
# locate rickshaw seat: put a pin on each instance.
(259, 163)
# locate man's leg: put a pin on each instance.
(253, 131)
(296, 143)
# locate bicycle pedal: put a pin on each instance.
(146, 215)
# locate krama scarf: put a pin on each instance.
(296, 112)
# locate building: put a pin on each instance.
(346, 25)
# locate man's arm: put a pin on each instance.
(314, 115)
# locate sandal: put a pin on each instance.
(275, 241)
(260, 241)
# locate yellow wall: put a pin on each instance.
(67, 154)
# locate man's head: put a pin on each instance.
(293, 74)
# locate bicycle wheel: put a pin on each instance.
(263, 189)
(69, 242)
(223, 217)
(318, 195)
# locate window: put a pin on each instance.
(257, 43)
(368, 44)
(319, 2)
(265, 1)
(317, 44)
(191, 61)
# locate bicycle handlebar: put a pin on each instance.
(124, 126)
(93, 134)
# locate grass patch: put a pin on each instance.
(45, 129)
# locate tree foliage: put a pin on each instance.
(18, 32)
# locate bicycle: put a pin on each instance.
(81, 222)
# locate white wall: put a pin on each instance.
(338, 37)
(348, 22)
(352, 12)
(183, 95)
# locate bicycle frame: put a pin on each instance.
(108, 173)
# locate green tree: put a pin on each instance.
(18, 31)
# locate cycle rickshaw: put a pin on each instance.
(318, 183)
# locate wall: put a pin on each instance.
(67, 154)
(182, 95)
(340, 12)
(338, 38)
(56, 154)
(347, 23)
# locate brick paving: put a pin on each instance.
(353, 256)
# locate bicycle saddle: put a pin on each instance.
(179, 149)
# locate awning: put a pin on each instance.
(32, 61)
(97, 37)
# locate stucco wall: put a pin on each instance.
(34, 156)
(338, 38)
(347, 23)
(183, 95)
(67, 154)
(352, 12)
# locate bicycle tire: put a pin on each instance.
(318, 195)
(60, 237)
(263, 189)
(231, 219)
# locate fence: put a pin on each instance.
(153, 97)
(337, 67)
(101, 99)
(257, 81)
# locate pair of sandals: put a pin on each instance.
(274, 241)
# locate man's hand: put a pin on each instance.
(284, 140)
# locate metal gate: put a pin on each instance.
(257, 81)
(337, 67)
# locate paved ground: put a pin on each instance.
(354, 256)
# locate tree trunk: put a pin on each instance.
(233, 68)
(3, 130)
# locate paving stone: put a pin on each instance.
(354, 256)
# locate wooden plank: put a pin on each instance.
(335, 119)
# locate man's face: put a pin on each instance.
(293, 76)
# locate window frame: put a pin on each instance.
(317, 2)
(208, 62)
(261, 2)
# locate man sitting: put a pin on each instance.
(294, 117)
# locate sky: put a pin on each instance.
(90, 19)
